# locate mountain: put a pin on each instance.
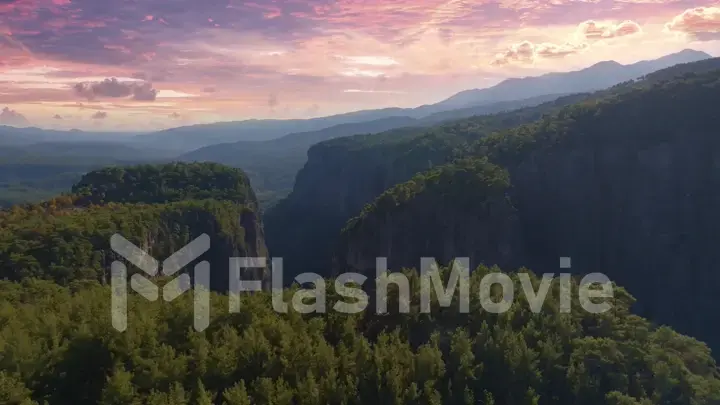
(620, 180)
(599, 76)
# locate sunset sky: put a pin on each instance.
(150, 64)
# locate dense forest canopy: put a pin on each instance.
(165, 183)
(58, 346)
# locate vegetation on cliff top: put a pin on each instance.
(170, 182)
(471, 180)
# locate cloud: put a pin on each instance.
(701, 23)
(144, 92)
(523, 52)
(369, 60)
(527, 52)
(549, 50)
(100, 115)
(13, 118)
(373, 91)
(113, 88)
(594, 31)
(209, 89)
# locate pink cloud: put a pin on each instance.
(702, 23)
(523, 52)
(527, 52)
(593, 30)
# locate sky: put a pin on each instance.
(139, 65)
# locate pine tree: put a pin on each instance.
(119, 389)
(236, 395)
(13, 391)
(202, 397)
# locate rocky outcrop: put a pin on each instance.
(458, 210)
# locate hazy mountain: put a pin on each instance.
(596, 77)
(599, 76)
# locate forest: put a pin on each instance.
(58, 348)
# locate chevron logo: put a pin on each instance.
(150, 266)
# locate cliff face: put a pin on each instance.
(458, 210)
(343, 175)
(332, 187)
(645, 216)
(628, 187)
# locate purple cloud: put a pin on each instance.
(114, 88)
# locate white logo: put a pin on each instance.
(170, 266)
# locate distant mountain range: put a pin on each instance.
(188, 138)
(599, 76)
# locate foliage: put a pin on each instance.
(57, 345)
(62, 242)
(470, 179)
(165, 183)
